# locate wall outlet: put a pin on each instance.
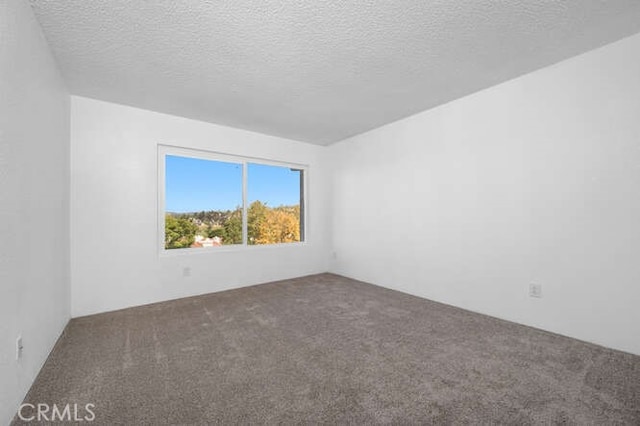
(535, 290)
(334, 255)
(186, 271)
(19, 348)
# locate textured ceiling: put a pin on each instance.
(314, 71)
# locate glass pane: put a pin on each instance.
(275, 213)
(203, 203)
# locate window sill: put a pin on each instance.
(228, 249)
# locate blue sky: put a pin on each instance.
(194, 185)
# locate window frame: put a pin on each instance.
(244, 161)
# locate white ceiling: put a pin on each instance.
(314, 71)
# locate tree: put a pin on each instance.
(256, 216)
(212, 232)
(233, 228)
(279, 226)
(265, 225)
(178, 232)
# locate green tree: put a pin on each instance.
(256, 216)
(178, 232)
(233, 228)
(215, 232)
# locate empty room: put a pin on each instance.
(320, 212)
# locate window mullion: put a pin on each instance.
(245, 225)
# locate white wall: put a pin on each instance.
(34, 202)
(115, 259)
(537, 179)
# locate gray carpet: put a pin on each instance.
(327, 349)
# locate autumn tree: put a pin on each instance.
(267, 225)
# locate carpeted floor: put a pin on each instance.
(327, 349)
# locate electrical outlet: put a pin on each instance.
(19, 348)
(334, 255)
(186, 271)
(535, 290)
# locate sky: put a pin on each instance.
(193, 184)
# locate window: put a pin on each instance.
(208, 201)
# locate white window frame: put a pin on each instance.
(164, 150)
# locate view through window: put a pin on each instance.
(206, 204)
